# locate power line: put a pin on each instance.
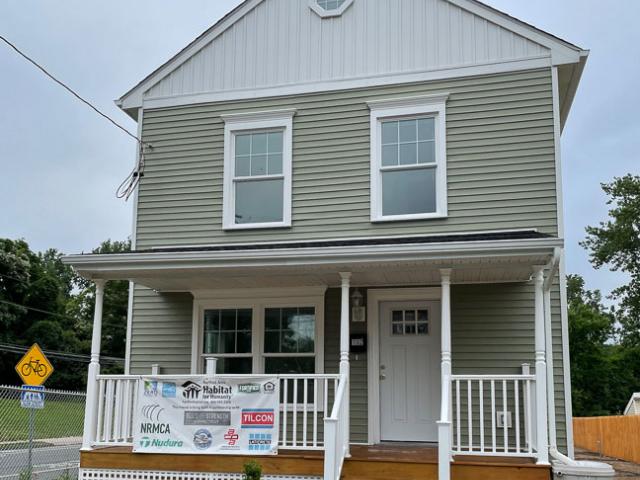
(14, 348)
(46, 312)
(127, 187)
(69, 89)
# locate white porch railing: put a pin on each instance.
(336, 441)
(493, 415)
(305, 402)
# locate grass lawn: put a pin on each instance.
(57, 419)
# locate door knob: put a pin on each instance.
(382, 376)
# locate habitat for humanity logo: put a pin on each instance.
(191, 390)
(150, 388)
(259, 441)
(257, 418)
(249, 388)
(146, 442)
(202, 439)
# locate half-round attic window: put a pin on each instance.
(329, 8)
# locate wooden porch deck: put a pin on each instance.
(375, 462)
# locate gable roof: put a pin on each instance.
(202, 53)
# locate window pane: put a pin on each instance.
(259, 201)
(227, 342)
(272, 342)
(243, 166)
(211, 320)
(408, 154)
(272, 318)
(409, 191)
(240, 366)
(274, 164)
(243, 342)
(228, 320)
(408, 130)
(258, 143)
(244, 319)
(243, 144)
(389, 155)
(426, 152)
(274, 142)
(289, 365)
(258, 165)
(211, 342)
(426, 129)
(389, 132)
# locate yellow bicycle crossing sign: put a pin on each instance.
(34, 368)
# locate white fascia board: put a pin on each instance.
(561, 51)
(133, 98)
(97, 264)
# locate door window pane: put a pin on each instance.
(409, 191)
(259, 201)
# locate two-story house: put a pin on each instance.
(363, 199)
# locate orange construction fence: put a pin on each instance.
(617, 437)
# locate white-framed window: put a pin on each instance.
(257, 170)
(329, 8)
(266, 334)
(408, 158)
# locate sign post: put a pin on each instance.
(33, 368)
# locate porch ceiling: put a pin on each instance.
(370, 265)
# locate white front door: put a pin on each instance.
(409, 371)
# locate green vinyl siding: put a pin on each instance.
(161, 331)
(500, 164)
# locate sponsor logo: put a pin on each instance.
(269, 387)
(169, 390)
(207, 418)
(155, 428)
(150, 388)
(202, 439)
(257, 418)
(191, 390)
(259, 441)
(152, 412)
(231, 437)
(214, 390)
(249, 388)
(146, 442)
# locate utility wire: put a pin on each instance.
(130, 183)
(46, 312)
(15, 348)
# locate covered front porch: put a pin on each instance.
(348, 401)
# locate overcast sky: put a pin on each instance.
(60, 162)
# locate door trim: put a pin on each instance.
(374, 297)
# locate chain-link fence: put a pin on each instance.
(40, 444)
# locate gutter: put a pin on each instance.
(561, 464)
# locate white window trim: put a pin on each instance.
(434, 105)
(246, 123)
(256, 300)
(313, 5)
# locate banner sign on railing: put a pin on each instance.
(210, 415)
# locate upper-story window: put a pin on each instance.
(329, 8)
(257, 170)
(408, 158)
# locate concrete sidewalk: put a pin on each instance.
(626, 470)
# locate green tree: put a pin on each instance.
(616, 243)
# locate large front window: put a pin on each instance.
(257, 170)
(408, 159)
(270, 335)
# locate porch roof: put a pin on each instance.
(474, 258)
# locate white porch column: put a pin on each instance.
(344, 350)
(91, 409)
(542, 436)
(444, 425)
